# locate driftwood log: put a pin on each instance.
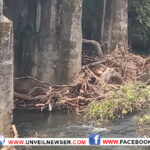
(15, 132)
(92, 46)
(97, 63)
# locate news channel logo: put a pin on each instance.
(94, 139)
(2, 139)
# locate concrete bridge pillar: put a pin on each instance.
(48, 38)
(6, 74)
(106, 21)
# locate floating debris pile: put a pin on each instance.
(94, 82)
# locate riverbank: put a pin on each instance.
(120, 102)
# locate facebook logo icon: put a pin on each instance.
(94, 139)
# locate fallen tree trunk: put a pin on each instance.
(97, 63)
(23, 96)
(96, 46)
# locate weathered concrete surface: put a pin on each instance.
(69, 39)
(48, 38)
(6, 76)
(109, 26)
(1, 7)
(120, 23)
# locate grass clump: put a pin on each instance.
(144, 120)
(120, 103)
(143, 125)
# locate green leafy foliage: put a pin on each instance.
(142, 8)
(139, 25)
(144, 120)
(119, 103)
(143, 125)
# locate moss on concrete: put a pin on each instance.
(72, 3)
(5, 27)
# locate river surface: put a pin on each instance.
(62, 124)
